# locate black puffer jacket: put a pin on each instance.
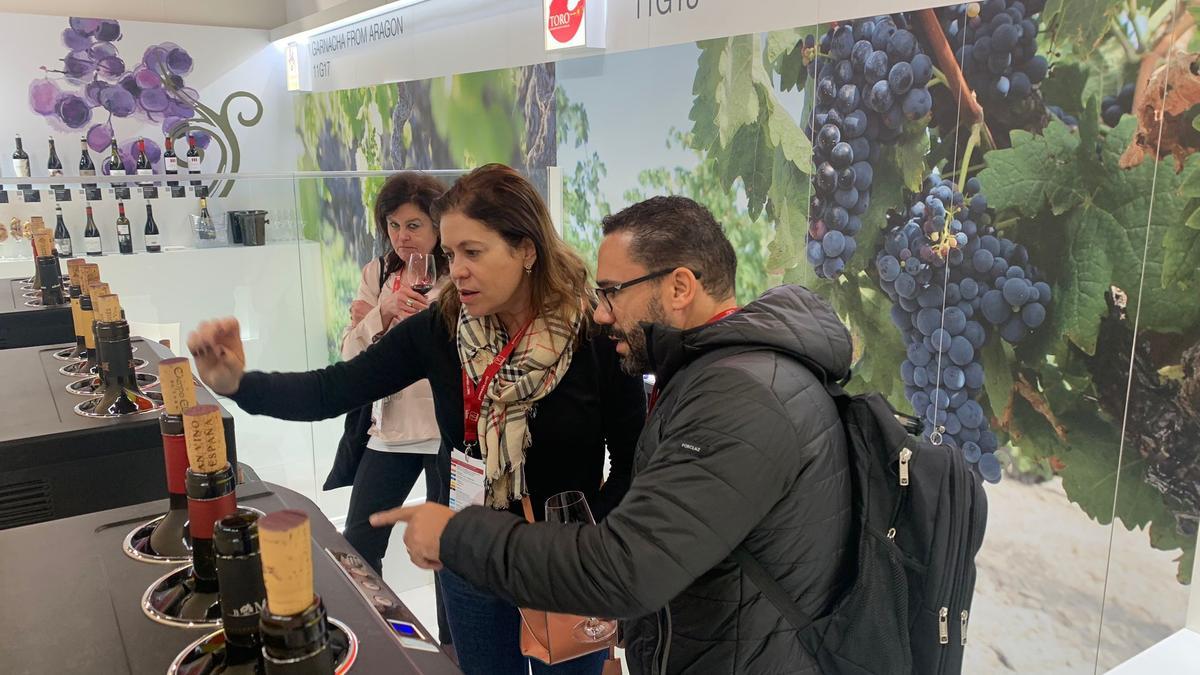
(744, 448)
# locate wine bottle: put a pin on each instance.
(75, 274)
(91, 235)
(210, 489)
(86, 168)
(121, 393)
(54, 166)
(179, 394)
(89, 277)
(170, 161)
(242, 593)
(21, 164)
(294, 627)
(151, 232)
(116, 165)
(124, 233)
(205, 229)
(62, 236)
(144, 168)
(193, 158)
(49, 273)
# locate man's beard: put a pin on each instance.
(637, 360)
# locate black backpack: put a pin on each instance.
(920, 511)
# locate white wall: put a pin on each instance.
(235, 13)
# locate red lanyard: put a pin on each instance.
(720, 315)
(473, 394)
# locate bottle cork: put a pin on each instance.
(107, 307)
(205, 437)
(286, 549)
(89, 274)
(43, 243)
(75, 269)
(178, 387)
(96, 290)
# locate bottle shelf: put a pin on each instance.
(101, 193)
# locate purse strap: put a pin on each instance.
(527, 507)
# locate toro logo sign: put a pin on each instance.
(573, 23)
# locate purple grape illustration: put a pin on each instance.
(94, 84)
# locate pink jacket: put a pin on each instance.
(407, 415)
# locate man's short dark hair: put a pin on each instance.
(672, 232)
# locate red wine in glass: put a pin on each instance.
(421, 272)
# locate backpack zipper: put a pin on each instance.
(962, 629)
(944, 626)
(905, 456)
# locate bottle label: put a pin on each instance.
(64, 247)
(152, 241)
(172, 164)
(21, 167)
(93, 244)
(87, 172)
(193, 164)
(145, 172)
(55, 172)
(123, 229)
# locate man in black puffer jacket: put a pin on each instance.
(743, 447)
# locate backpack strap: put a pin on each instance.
(766, 583)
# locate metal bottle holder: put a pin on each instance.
(93, 386)
(122, 395)
(173, 600)
(136, 544)
(147, 402)
(206, 656)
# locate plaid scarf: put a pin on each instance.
(537, 363)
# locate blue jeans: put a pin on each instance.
(487, 635)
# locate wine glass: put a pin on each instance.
(420, 272)
(572, 507)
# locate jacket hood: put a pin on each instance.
(788, 319)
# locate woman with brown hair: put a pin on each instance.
(512, 337)
(388, 443)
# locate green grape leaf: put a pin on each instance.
(704, 87)
(788, 209)
(1035, 171)
(878, 347)
(1064, 87)
(1079, 26)
(749, 156)
(996, 360)
(781, 43)
(737, 101)
(908, 153)
(784, 134)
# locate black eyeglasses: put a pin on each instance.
(605, 293)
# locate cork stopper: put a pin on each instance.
(75, 269)
(43, 243)
(178, 387)
(205, 438)
(107, 306)
(286, 549)
(89, 274)
(97, 290)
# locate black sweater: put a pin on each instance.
(594, 405)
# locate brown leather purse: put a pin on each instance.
(547, 636)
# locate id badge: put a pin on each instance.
(466, 481)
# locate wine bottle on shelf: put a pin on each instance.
(179, 394)
(91, 235)
(205, 229)
(294, 627)
(116, 165)
(144, 168)
(86, 167)
(62, 236)
(21, 164)
(54, 166)
(210, 489)
(170, 161)
(193, 157)
(242, 593)
(124, 232)
(151, 232)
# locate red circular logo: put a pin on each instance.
(562, 23)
